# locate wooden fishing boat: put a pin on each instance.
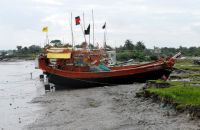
(88, 68)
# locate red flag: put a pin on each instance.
(77, 20)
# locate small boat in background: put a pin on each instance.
(69, 67)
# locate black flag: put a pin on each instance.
(87, 32)
(104, 26)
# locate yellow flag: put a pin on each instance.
(45, 29)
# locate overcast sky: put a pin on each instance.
(170, 23)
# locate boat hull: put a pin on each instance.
(66, 82)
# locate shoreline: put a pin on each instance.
(16, 59)
(115, 107)
(193, 112)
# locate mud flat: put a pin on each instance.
(106, 108)
(17, 89)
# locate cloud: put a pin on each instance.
(49, 2)
(156, 22)
(195, 27)
(56, 20)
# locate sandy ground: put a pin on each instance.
(106, 108)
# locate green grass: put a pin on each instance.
(179, 92)
(185, 94)
(186, 65)
(193, 77)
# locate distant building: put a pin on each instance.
(112, 57)
(157, 50)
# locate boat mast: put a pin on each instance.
(89, 41)
(47, 38)
(84, 29)
(93, 25)
(105, 32)
(72, 33)
(104, 38)
(83, 21)
(83, 32)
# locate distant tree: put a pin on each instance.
(124, 56)
(129, 45)
(183, 50)
(140, 46)
(47, 46)
(14, 51)
(3, 53)
(82, 45)
(108, 47)
(78, 46)
(153, 57)
(25, 50)
(168, 51)
(67, 45)
(193, 51)
(19, 48)
(34, 49)
(119, 49)
(91, 46)
(56, 43)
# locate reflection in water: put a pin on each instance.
(17, 89)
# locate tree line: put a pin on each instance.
(139, 51)
(127, 51)
(22, 52)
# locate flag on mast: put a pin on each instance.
(45, 29)
(77, 20)
(87, 31)
(104, 26)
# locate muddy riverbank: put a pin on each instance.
(24, 105)
(106, 108)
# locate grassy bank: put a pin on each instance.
(187, 65)
(191, 77)
(185, 94)
(182, 90)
